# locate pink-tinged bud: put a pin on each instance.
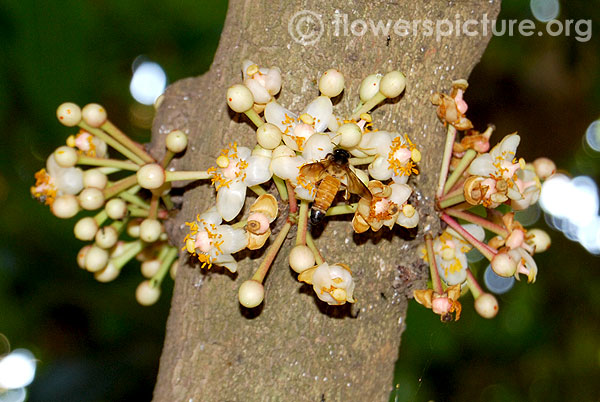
(258, 223)
(504, 265)
(441, 305)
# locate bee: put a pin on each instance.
(330, 175)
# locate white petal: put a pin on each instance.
(273, 81)
(408, 222)
(482, 166)
(230, 200)
(260, 93)
(333, 124)
(211, 217)
(243, 153)
(453, 277)
(225, 260)
(258, 171)
(304, 193)
(276, 114)
(400, 193)
(234, 239)
(286, 167)
(379, 169)
(474, 230)
(245, 64)
(317, 147)
(321, 110)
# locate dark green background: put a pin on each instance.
(95, 343)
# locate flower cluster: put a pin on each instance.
(309, 156)
(482, 193)
(130, 197)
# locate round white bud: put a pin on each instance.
(369, 87)
(85, 229)
(392, 84)
(150, 230)
(94, 178)
(486, 305)
(283, 150)
(544, 168)
(173, 269)
(239, 98)
(350, 135)
(81, 255)
(69, 114)
(503, 265)
(65, 156)
(540, 239)
(151, 176)
(91, 198)
(158, 101)
(133, 228)
(251, 294)
(94, 114)
(116, 208)
(96, 259)
(108, 274)
(150, 267)
(301, 258)
(176, 141)
(146, 294)
(331, 83)
(268, 136)
(65, 206)
(106, 237)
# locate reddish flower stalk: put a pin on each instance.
(478, 220)
(483, 248)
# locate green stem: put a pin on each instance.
(311, 244)
(362, 161)
(478, 220)
(108, 170)
(484, 249)
(167, 158)
(258, 190)
(462, 166)
(433, 270)
(130, 251)
(342, 209)
(450, 136)
(101, 217)
(112, 142)
(166, 199)
(281, 188)
(474, 287)
(370, 104)
(153, 211)
(120, 136)
(262, 270)
(254, 117)
(137, 212)
(134, 199)
(302, 223)
(120, 186)
(115, 163)
(165, 265)
(193, 175)
(450, 201)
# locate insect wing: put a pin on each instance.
(355, 186)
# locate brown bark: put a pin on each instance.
(294, 347)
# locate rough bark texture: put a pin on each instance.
(295, 347)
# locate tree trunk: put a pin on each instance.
(295, 347)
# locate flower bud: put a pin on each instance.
(544, 168)
(369, 87)
(94, 178)
(251, 294)
(108, 274)
(350, 135)
(65, 206)
(331, 83)
(150, 267)
(392, 84)
(301, 258)
(65, 156)
(239, 98)
(146, 294)
(94, 114)
(116, 208)
(173, 269)
(96, 259)
(268, 136)
(486, 305)
(151, 176)
(68, 114)
(176, 141)
(504, 265)
(106, 237)
(150, 230)
(91, 198)
(540, 239)
(81, 255)
(85, 229)
(133, 228)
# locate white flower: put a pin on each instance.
(263, 82)
(450, 250)
(55, 181)
(395, 154)
(212, 242)
(296, 130)
(530, 188)
(237, 170)
(333, 284)
(88, 144)
(387, 207)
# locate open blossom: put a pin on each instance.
(396, 156)
(296, 130)
(333, 284)
(444, 304)
(262, 213)
(387, 207)
(212, 242)
(451, 109)
(87, 144)
(55, 181)
(237, 169)
(529, 186)
(495, 174)
(264, 83)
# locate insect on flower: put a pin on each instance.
(329, 175)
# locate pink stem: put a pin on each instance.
(478, 220)
(450, 136)
(483, 248)
(291, 197)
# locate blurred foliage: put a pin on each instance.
(96, 343)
